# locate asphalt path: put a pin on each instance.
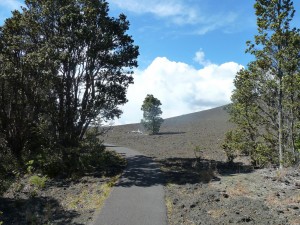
(138, 197)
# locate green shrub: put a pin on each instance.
(263, 155)
(198, 152)
(230, 146)
(237, 143)
(37, 181)
(30, 167)
(88, 157)
(297, 145)
(289, 159)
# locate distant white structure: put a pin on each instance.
(137, 131)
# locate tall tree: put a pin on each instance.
(22, 85)
(152, 112)
(92, 57)
(271, 76)
(278, 53)
(64, 64)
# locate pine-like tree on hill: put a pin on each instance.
(151, 113)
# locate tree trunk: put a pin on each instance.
(280, 122)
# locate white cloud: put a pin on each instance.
(179, 12)
(200, 58)
(180, 87)
(216, 22)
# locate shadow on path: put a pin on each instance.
(138, 197)
(145, 171)
(141, 171)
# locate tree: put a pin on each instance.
(22, 88)
(64, 64)
(92, 68)
(278, 54)
(253, 111)
(264, 101)
(151, 113)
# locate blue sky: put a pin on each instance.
(190, 50)
(177, 29)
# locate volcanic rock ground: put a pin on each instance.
(206, 190)
(178, 135)
(198, 190)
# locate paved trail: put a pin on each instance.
(138, 198)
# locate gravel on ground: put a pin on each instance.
(204, 189)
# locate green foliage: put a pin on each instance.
(265, 104)
(72, 161)
(64, 65)
(151, 113)
(263, 155)
(229, 146)
(198, 152)
(30, 167)
(89, 157)
(37, 181)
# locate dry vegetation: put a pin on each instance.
(35, 199)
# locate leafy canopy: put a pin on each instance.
(265, 103)
(151, 112)
(64, 65)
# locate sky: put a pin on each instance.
(190, 50)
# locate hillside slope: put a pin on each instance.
(178, 135)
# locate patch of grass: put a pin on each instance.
(216, 213)
(106, 189)
(90, 199)
(274, 200)
(239, 189)
(169, 206)
(37, 181)
(281, 174)
(170, 185)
